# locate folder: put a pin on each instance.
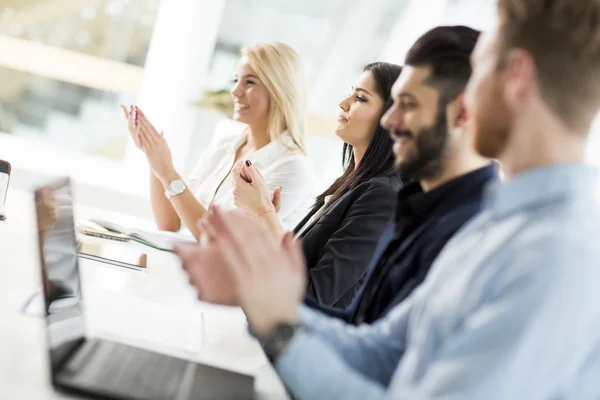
(158, 240)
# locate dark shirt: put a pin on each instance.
(422, 225)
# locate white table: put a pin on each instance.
(170, 318)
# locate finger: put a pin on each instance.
(131, 123)
(252, 172)
(203, 238)
(125, 112)
(217, 223)
(136, 140)
(141, 119)
(197, 277)
(249, 238)
(231, 255)
(144, 120)
(135, 116)
(149, 132)
(255, 170)
(180, 251)
(139, 110)
(186, 254)
(237, 167)
(143, 140)
(238, 178)
(206, 228)
(193, 261)
(132, 115)
(135, 135)
(244, 174)
(147, 138)
(237, 229)
(277, 198)
(293, 251)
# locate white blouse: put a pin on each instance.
(315, 216)
(280, 162)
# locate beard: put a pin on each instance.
(430, 152)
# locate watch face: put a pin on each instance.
(177, 186)
(284, 332)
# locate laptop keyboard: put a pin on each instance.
(137, 373)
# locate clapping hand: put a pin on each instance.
(265, 276)
(152, 143)
(250, 190)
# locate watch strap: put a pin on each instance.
(280, 337)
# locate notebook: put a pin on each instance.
(159, 240)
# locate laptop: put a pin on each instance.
(93, 366)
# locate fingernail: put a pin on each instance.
(248, 163)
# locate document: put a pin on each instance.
(159, 240)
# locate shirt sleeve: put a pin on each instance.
(497, 350)
(348, 250)
(333, 360)
(295, 176)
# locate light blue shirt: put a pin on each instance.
(510, 309)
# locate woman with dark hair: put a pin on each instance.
(340, 233)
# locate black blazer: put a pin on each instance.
(407, 263)
(340, 243)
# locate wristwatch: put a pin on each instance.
(279, 338)
(176, 187)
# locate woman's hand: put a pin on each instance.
(250, 192)
(131, 117)
(152, 143)
(249, 189)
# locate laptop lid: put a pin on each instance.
(61, 283)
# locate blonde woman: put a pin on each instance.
(270, 98)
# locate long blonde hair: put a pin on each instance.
(281, 70)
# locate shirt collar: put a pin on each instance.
(541, 185)
(412, 199)
(269, 153)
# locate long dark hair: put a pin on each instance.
(379, 158)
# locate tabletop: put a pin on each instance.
(155, 309)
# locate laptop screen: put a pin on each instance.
(60, 271)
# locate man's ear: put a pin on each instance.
(457, 111)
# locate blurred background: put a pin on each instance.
(66, 65)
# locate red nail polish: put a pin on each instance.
(248, 163)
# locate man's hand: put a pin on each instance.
(269, 276)
(208, 274)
